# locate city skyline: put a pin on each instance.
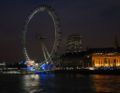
(97, 21)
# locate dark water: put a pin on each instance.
(60, 83)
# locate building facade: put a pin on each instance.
(105, 59)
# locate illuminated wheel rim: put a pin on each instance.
(57, 33)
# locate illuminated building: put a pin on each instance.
(74, 43)
(106, 57)
(92, 57)
(106, 60)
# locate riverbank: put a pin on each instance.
(72, 71)
(87, 71)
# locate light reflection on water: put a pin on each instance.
(106, 83)
(59, 83)
(36, 83)
(31, 83)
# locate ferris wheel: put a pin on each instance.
(57, 34)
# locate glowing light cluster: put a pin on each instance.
(30, 62)
(47, 66)
(106, 60)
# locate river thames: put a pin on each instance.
(59, 83)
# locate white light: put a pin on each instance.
(30, 62)
(36, 64)
(47, 62)
(91, 68)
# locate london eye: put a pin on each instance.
(48, 55)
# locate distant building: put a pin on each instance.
(75, 59)
(92, 57)
(106, 60)
(105, 57)
(74, 43)
(2, 66)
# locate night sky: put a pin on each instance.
(98, 21)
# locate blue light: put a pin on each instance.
(43, 66)
(22, 62)
(30, 68)
(47, 66)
